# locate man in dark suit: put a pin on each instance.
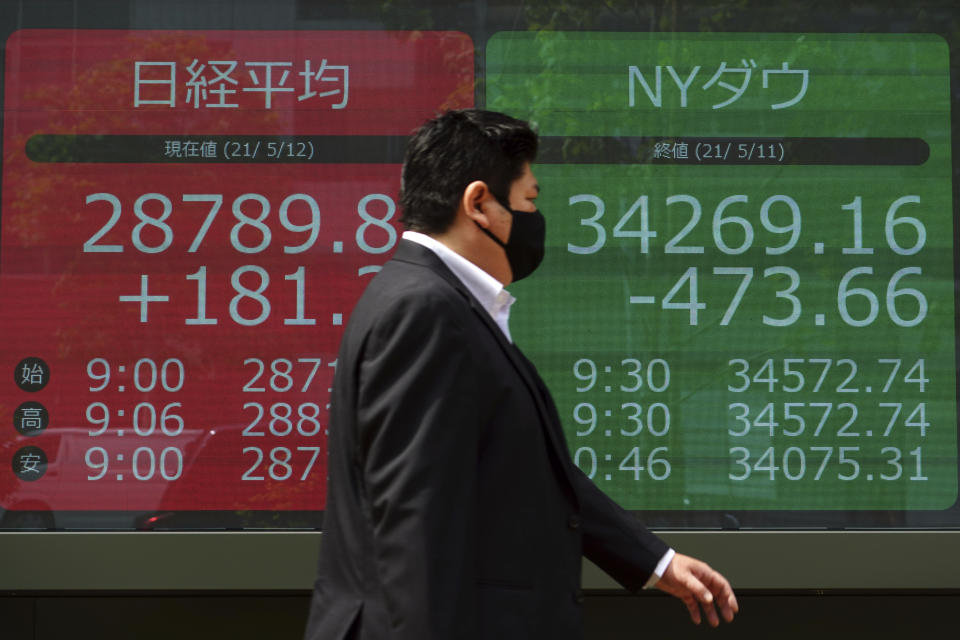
(454, 509)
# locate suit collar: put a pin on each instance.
(418, 254)
(487, 290)
(414, 253)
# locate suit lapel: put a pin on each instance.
(418, 254)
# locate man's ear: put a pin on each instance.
(472, 200)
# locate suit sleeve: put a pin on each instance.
(417, 423)
(615, 540)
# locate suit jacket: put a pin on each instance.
(454, 509)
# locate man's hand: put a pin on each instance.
(698, 586)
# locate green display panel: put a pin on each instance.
(748, 296)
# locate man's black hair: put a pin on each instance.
(454, 149)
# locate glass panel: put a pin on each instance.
(747, 311)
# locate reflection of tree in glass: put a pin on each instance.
(718, 16)
(99, 101)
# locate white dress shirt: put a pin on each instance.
(485, 288)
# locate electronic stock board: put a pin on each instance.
(746, 313)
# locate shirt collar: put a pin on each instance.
(488, 291)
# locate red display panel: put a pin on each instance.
(187, 221)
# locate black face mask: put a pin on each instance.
(525, 246)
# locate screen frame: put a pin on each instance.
(287, 560)
(260, 560)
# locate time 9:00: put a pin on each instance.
(146, 374)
